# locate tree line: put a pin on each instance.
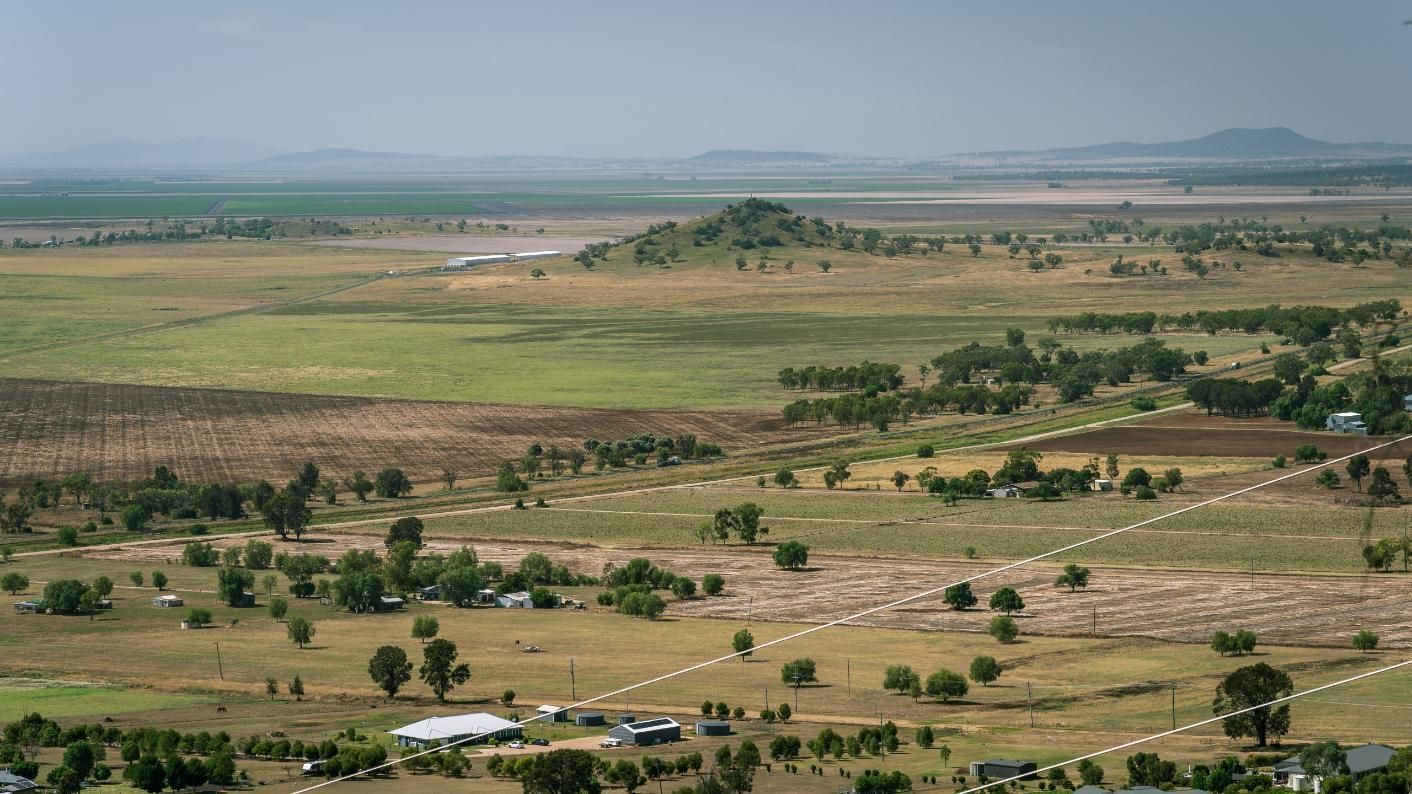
(1302, 324)
(870, 376)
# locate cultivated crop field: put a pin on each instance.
(49, 429)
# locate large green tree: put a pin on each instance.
(439, 669)
(390, 669)
(1248, 687)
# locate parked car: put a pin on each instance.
(517, 745)
(611, 742)
(313, 768)
(672, 461)
(541, 742)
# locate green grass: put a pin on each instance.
(66, 701)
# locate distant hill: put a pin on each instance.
(138, 154)
(362, 160)
(731, 158)
(1230, 144)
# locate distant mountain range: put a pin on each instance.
(1271, 143)
(185, 153)
(1230, 144)
(735, 158)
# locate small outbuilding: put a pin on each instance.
(627, 719)
(247, 599)
(520, 600)
(389, 604)
(1011, 491)
(713, 728)
(589, 718)
(28, 607)
(431, 592)
(1001, 768)
(659, 730)
(1407, 402)
(485, 597)
(549, 713)
(1100, 485)
(168, 600)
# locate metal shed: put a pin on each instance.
(713, 728)
(999, 768)
(659, 730)
(589, 718)
(624, 719)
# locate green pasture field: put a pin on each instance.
(714, 337)
(66, 701)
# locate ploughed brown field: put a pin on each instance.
(1194, 434)
(49, 429)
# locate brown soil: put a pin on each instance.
(1188, 435)
(49, 429)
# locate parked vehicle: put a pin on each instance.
(611, 742)
(517, 745)
(541, 742)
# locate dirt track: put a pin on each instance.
(50, 429)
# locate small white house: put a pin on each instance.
(520, 600)
(1100, 485)
(168, 600)
(1346, 422)
(1362, 761)
(1011, 491)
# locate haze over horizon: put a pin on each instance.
(614, 79)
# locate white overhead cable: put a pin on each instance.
(884, 607)
(1154, 737)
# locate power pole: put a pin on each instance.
(1095, 621)
(1174, 705)
(1029, 699)
(573, 682)
(767, 698)
(848, 668)
(219, 668)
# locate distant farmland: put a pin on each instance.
(49, 429)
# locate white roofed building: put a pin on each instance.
(451, 729)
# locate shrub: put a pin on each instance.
(1144, 493)
(926, 451)
(1279, 461)
(68, 536)
(1144, 404)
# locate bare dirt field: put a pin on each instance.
(1182, 606)
(1183, 436)
(50, 429)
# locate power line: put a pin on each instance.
(1135, 742)
(881, 608)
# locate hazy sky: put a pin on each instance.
(604, 77)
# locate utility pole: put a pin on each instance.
(848, 668)
(1252, 574)
(1095, 621)
(1029, 699)
(749, 608)
(573, 682)
(220, 669)
(1174, 705)
(767, 698)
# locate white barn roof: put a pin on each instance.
(442, 728)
